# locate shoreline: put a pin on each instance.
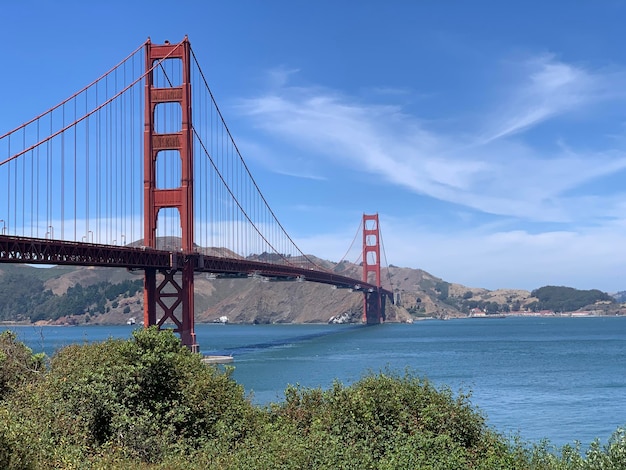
(499, 316)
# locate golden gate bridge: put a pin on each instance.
(70, 191)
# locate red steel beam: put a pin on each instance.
(44, 251)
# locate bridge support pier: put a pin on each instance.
(174, 299)
(374, 307)
(149, 297)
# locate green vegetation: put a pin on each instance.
(566, 299)
(43, 274)
(121, 401)
(442, 289)
(25, 298)
(18, 364)
(19, 295)
(557, 299)
(466, 305)
(149, 403)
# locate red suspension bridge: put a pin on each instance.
(71, 193)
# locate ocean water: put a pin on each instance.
(561, 379)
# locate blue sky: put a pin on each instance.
(489, 136)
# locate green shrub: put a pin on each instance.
(395, 422)
(149, 403)
(18, 364)
(145, 398)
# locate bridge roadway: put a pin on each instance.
(24, 250)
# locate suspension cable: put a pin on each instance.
(358, 230)
(75, 94)
(230, 137)
(385, 257)
(65, 128)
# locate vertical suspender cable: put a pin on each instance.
(8, 222)
(124, 172)
(63, 178)
(107, 163)
(32, 187)
(24, 187)
(98, 164)
(49, 184)
(75, 174)
(37, 180)
(132, 159)
(86, 228)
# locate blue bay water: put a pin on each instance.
(556, 378)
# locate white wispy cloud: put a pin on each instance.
(279, 161)
(279, 76)
(491, 170)
(548, 88)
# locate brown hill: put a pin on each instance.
(418, 295)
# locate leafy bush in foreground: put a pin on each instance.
(149, 403)
(18, 364)
(144, 398)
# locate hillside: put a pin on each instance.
(70, 295)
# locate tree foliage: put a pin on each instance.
(18, 364)
(566, 299)
(20, 294)
(442, 288)
(147, 397)
(25, 298)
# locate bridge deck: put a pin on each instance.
(44, 251)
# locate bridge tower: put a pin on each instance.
(374, 301)
(169, 299)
